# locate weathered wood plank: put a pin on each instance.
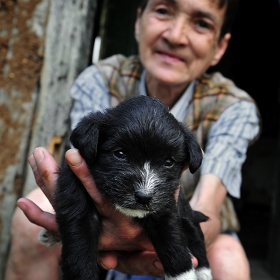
(68, 47)
(31, 112)
(22, 25)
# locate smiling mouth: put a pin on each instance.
(169, 57)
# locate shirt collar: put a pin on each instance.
(180, 108)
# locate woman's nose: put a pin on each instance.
(176, 32)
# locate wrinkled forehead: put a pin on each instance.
(219, 3)
(216, 4)
(214, 10)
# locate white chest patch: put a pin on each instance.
(204, 274)
(190, 275)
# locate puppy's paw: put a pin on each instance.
(47, 238)
(204, 273)
(190, 275)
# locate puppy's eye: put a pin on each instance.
(119, 154)
(169, 163)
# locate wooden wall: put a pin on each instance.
(44, 45)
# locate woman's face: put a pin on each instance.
(179, 39)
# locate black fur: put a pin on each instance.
(124, 147)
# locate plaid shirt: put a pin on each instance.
(227, 138)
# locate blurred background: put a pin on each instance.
(45, 44)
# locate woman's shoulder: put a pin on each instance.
(216, 84)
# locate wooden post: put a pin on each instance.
(22, 30)
(67, 53)
(117, 27)
(44, 45)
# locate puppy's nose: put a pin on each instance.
(142, 198)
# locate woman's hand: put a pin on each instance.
(122, 245)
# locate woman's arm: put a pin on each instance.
(208, 198)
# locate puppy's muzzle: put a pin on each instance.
(142, 197)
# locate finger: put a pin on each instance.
(140, 260)
(33, 165)
(140, 263)
(37, 216)
(79, 167)
(45, 170)
(107, 259)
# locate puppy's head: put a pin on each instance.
(136, 153)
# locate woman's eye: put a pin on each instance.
(203, 24)
(162, 11)
(120, 154)
(169, 163)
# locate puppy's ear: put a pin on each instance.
(85, 136)
(195, 152)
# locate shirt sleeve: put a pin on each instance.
(89, 94)
(227, 144)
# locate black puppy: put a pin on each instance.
(136, 153)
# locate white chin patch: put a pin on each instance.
(204, 274)
(190, 275)
(132, 212)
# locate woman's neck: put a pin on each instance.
(168, 94)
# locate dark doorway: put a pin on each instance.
(252, 62)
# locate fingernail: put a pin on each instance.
(74, 158)
(103, 266)
(100, 262)
(32, 163)
(38, 155)
(158, 265)
(21, 205)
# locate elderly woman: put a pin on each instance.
(178, 41)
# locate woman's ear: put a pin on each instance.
(137, 25)
(221, 49)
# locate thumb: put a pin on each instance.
(133, 263)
